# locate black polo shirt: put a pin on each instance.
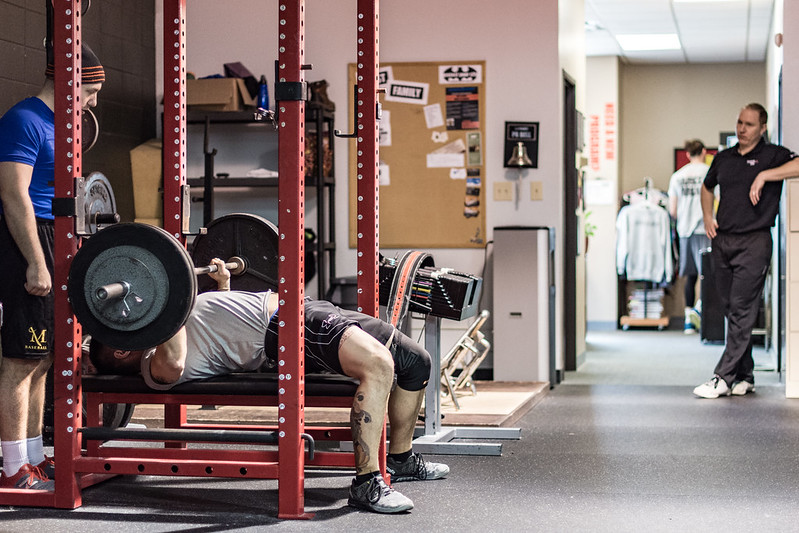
(734, 174)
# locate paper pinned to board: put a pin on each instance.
(457, 173)
(385, 128)
(449, 155)
(433, 116)
(384, 177)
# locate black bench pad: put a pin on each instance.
(237, 384)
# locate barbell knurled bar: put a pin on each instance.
(120, 289)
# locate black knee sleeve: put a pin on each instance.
(411, 364)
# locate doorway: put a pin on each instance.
(570, 226)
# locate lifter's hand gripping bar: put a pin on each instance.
(120, 289)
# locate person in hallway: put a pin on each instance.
(749, 176)
(685, 207)
(229, 331)
(27, 163)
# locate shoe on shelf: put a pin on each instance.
(712, 388)
(415, 468)
(47, 467)
(689, 328)
(28, 477)
(740, 388)
(375, 495)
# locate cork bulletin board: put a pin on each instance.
(432, 169)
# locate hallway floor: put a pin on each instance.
(620, 446)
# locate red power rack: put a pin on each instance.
(76, 469)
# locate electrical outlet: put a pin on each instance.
(503, 191)
(536, 191)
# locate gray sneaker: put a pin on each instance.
(375, 495)
(415, 469)
(740, 388)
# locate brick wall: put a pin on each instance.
(122, 35)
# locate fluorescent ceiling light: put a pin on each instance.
(654, 41)
(699, 1)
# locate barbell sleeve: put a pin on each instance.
(113, 290)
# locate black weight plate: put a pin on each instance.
(98, 199)
(162, 276)
(250, 237)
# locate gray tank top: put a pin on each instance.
(224, 333)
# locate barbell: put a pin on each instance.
(132, 286)
(121, 289)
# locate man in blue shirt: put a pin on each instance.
(749, 176)
(27, 141)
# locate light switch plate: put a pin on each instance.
(503, 191)
(536, 191)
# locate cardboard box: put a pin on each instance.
(218, 94)
(145, 165)
(150, 221)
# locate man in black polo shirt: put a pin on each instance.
(749, 176)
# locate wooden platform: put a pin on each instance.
(496, 404)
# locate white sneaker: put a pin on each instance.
(740, 388)
(713, 388)
(695, 318)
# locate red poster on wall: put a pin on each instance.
(681, 157)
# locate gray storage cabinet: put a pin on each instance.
(524, 304)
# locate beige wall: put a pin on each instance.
(660, 106)
(663, 105)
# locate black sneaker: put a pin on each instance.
(415, 468)
(375, 495)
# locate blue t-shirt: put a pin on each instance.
(27, 135)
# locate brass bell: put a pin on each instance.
(519, 158)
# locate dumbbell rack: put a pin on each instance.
(75, 472)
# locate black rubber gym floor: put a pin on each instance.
(593, 457)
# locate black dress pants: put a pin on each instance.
(740, 264)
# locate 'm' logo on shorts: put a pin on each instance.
(37, 341)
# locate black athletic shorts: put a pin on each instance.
(324, 325)
(27, 331)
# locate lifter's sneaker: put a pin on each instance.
(713, 388)
(28, 477)
(375, 495)
(740, 388)
(415, 468)
(47, 467)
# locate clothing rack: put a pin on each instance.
(649, 194)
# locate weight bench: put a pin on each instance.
(175, 457)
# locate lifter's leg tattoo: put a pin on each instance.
(358, 418)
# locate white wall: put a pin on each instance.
(602, 178)
(518, 39)
(790, 78)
